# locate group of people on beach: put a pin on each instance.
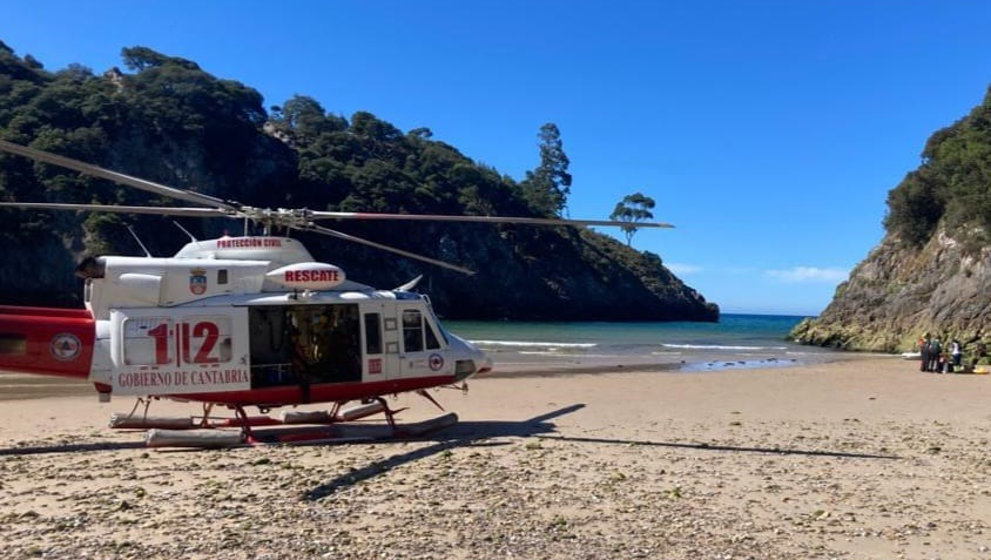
(937, 358)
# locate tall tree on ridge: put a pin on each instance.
(633, 208)
(547, 187)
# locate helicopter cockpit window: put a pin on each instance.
(432, 343)
(412, 331)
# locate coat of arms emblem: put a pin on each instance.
(197, 281)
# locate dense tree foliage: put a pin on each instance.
(952, 187)
(167, 120)
(633, 208)
(547, 187)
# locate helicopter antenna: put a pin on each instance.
(186, 231)
(408, 287)
(136, 238)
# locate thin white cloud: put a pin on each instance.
(809, 274)
(683, 269)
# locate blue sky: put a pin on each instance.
(768, 132)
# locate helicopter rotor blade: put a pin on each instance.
(119, 178)
(327, 215)
(163, 211)
(407, 254)
(300, 219)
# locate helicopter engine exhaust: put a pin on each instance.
(46, 341)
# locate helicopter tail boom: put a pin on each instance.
(46, 341)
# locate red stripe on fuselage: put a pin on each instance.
(323, 392)
(46, 341)
(44, 312)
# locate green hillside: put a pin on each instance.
(952, 186)
(167, 120)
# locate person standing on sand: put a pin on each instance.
(924, 353)
(935, 349)
(956, 351)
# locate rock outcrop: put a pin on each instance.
(899, 293)
(932, 271)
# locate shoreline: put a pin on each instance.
(18, 386)
(675, 362)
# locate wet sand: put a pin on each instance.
(861, 458)
(14, 386)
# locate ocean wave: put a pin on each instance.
(528, 344)
(722, 347)
(564, 355)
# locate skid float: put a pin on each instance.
(291, 427)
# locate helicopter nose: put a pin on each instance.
(473, 360)
(486, 365)
(477, 363)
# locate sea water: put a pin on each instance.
(736, 341)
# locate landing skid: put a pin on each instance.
(291, 428)
(295, 435)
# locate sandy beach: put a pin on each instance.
(860, 458)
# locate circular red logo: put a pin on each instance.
(65, 347)
(436, 362)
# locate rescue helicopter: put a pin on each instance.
(247, 321)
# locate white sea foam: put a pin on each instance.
(722, 347)
(528, 344)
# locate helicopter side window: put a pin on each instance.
(205, 339)
(412, 331)
(222, 276)
(373, 334)
(149, 341)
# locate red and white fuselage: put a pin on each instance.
(239, 321)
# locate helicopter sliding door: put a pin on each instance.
(271, 347)
(380, 340)
(379, 363)
(175, 351)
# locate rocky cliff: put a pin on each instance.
(900, 292)
(932, 271)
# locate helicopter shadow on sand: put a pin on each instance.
(480, 434)
(21, 450)
(463, 434)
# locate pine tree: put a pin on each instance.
(547, 187)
